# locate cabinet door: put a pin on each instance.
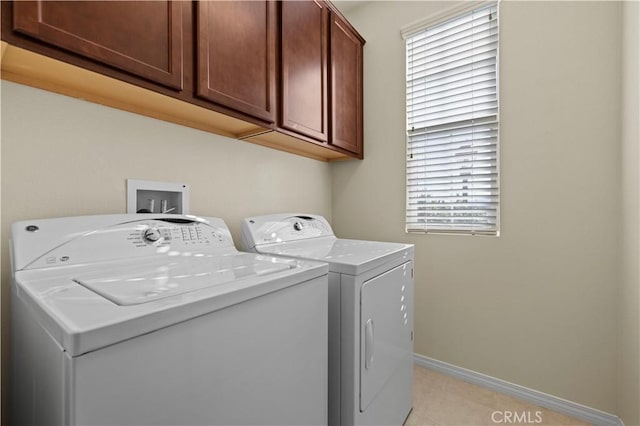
(237, 55)
(304, 68)
(346, 87)
(144, 38)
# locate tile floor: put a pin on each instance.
(439, 399)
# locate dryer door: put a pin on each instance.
(386, 324)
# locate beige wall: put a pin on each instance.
(537, 305)
(62, 156)
(66, 157)
(629, 295)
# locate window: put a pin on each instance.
(452, 125)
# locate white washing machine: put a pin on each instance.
(370, 314)
(159, 320)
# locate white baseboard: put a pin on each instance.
(587, 414)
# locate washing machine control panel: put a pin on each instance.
(141, 237)
(176, 235)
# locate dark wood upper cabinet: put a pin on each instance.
(304, 39)
(144, 38)
(346, 86)
(284, 74)
(236, 56)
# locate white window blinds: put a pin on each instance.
(452, 125)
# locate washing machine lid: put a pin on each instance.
(136, 283)
(85, 310)
(344, 256)
(139, 286)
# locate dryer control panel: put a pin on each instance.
(90, 239)
(280, 228)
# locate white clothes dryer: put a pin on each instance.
(159, 320)
(370, 314)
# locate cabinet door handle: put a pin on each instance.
(368, 344)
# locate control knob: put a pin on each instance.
(297, 226)
(151, 235)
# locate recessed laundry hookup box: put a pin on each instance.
(145, 196)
